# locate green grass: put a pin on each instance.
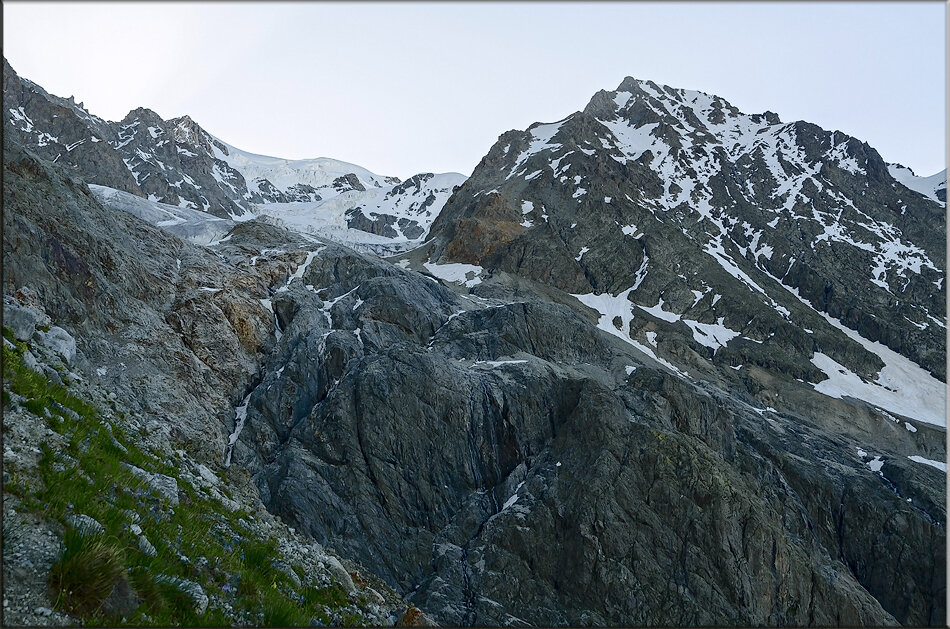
(86, 571)
(283, 612)
(239, 566)
(34, 386)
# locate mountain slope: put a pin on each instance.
(176, 162)
(721, 240)
(933, 187)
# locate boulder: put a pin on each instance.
(22, 321)
(166, 486)
(86, 525)
(61, 342)
(340, 574)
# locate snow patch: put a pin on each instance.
(464, 274)
(940, 465)
(240, 416)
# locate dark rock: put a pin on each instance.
(122, 600)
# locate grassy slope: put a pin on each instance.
(198, 540)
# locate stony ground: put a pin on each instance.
(35, 456)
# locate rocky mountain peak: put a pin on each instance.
(141, 114)
(653, 194)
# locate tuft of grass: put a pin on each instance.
(251, 585)
(86, 571)
(332, 596)
(283, 612)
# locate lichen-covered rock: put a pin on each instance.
(22, 321)
(146, 546)
(165, 486)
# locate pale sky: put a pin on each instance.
(402, 88)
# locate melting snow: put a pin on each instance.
(614, 306)
(20, 115)
(896, 388)
(901, 387)
(714, 335)
(240, 416)
(456, 272)
(940, 465)
(926, 186)
(498, 363)
(541, 137)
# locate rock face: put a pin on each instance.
(502, 452)
(132, 297)
(497, 460)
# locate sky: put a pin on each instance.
(401, 88)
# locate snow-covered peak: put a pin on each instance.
(927, 186)
(319, 172)
(394, 216)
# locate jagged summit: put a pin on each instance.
(178, 162)
(747, 240)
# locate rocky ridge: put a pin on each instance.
(176, 162)
(722, 240)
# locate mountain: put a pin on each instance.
(723, 241)
(176, 162)
(649, 367)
